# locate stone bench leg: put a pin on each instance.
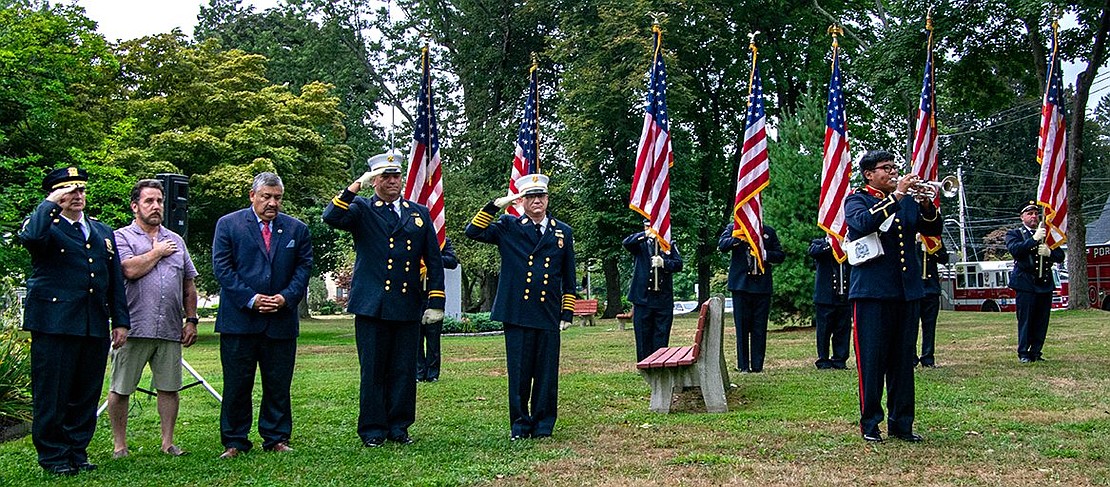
(662, 389)
(712, 389)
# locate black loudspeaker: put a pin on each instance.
(176, 202)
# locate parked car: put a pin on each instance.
(683, 307)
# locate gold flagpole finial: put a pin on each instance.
(929, 19)
(751, 42)
(657, 20)
(835, 31)
(535, 60)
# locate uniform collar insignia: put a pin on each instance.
(871, 190)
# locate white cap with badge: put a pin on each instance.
(531, 184)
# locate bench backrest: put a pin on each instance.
(585, 306)
(703, 317)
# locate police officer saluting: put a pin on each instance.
(652, 290)
(392, 235)
(75, 300)
(535, 295)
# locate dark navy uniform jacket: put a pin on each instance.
(738, 277)
(932, 274)
(386, 283)
(76, 285)
(833, 278)
(1025, 277)
(244, 268)
(642, 290)
(897, 273)
(537, 284)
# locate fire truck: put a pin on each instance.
(1098, 276)
(983, 286)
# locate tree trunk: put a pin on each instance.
(1078, 298)
(613, 287)
(489, 291)
(302, 307)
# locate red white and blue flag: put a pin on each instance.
(754, 172)
(836, 173)
(526, 157)
(651, 180)
(424, 184)
(924, 155)
(1052, 190)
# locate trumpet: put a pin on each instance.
(947, 187)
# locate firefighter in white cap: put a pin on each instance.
(535, 298)
(392, 237)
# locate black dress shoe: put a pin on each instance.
(85, 466)
(1025, 360)
(910, 437)
(839, 366)
(875, 437)
(373, 442)
(60, 470)
(404, 439)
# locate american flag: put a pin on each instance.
(651, 181)
(753, 174)
(924, 154)
(836, 174)
(526, 157)
(424, 184)
(1052, 190)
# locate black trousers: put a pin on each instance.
(886, 339)
(532, 362)
(652, 327)
(427, 363)
(750, 312)
(1033, 310)
(67, 376)
(834, 327)
(930, 307)
(387, 377)
(274, 358)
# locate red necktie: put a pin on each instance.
(266, 234)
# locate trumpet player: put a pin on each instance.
(886, 292)
(1031, 280)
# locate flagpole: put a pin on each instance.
(532, 74)
(932, 114)
(658, 31)
(1048, 82)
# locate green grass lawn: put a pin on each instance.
(987, 420)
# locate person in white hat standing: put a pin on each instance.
(393, 236)
(535, 298)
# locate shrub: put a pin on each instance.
(471, 323)
(15, 362)
(209, 312)
(329, 307)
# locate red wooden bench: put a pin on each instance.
(585, 309)
(624, 319)
(702, 365)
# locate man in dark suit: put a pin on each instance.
(832, 312)
(392, 237)
(886, 292)
(262, 259)
(428, 359)
(751, 294)
(930, 303)
(652, 290)
(535, 298)
(75, 301)
(1031, 279)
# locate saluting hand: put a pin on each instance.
(57, 195)
(504, 201)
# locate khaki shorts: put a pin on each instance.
(129, 361)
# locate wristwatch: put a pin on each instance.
(194, 320)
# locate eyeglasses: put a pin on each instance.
(887, 167)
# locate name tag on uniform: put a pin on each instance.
(864, 249)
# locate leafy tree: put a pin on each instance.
(212, 115)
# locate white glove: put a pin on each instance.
(657, 261)
(1039, 234)
(1043, 250)
(563, 325)
(504, 201)
(364, 180)
(432, 316)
